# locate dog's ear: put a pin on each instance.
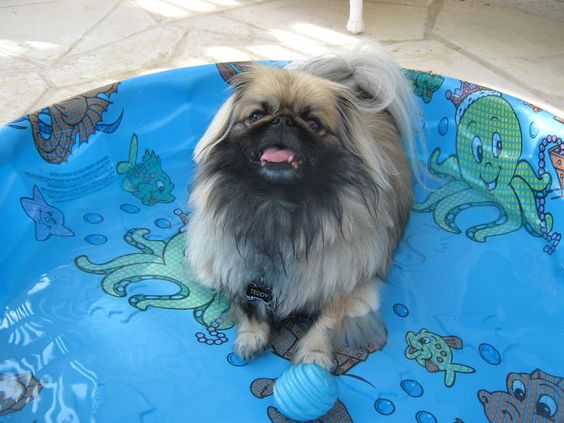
(216, 132)
(357, 139)
(223, 120)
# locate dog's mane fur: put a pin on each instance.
(314, 241)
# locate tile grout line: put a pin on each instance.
(35, 105)
(164, 24)
(28, 4)
(219, 12)
(178, 46)
(90, 50)
(434, 10)
(395, 42)
(22, 58)
(124, 74)
(393, 3)
(88, 31)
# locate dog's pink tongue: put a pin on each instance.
(277, 155)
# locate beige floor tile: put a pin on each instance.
(13, 65)
(496, 33)
(17, 3)
(44, 31)
(507, 48)
(543, 75)
(119, 60)
(436, 57)
(402, 2)
(171, 10)
(218, 39)
(23, 84)
(383, 21)
(553, 9)
(520, 47)
(126, 19)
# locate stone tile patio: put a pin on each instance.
(52, 49)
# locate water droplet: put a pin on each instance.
(384, 406)
(95, 239)
(401, 310)
(163, 223)
(443, 126)
(93, 218)
(489, 354)
(235, 360)
(412, 388)
(425, 417)
(533, 129)
(129, 208)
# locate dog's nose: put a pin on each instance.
(283, 120)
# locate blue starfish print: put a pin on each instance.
(48, 220)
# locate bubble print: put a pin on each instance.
(384, 406)
(93, 218)
(489, 354)
(425, 417)
(163, 223)
(401, 310)
(96, 239)
(412, 388)
(443, 126)
(129, 208)
(235, 360)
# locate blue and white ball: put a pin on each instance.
(305, 392)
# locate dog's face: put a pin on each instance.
(288, 162)
(282, 127)
(285, 123)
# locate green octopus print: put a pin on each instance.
(160, 260)
(487, 170)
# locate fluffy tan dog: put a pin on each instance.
(302, 194)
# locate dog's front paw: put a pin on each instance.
(251, 342)
(323, 358)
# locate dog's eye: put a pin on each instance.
(314, 123)
(256, 115)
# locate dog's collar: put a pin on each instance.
(258, 291)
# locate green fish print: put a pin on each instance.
(424, 83)
(434, 352)
(146, 180)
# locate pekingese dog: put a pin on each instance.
(302, 193)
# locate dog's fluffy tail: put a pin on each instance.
(368, 331)
(368, 69)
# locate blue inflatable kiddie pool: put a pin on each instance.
(100, 321)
